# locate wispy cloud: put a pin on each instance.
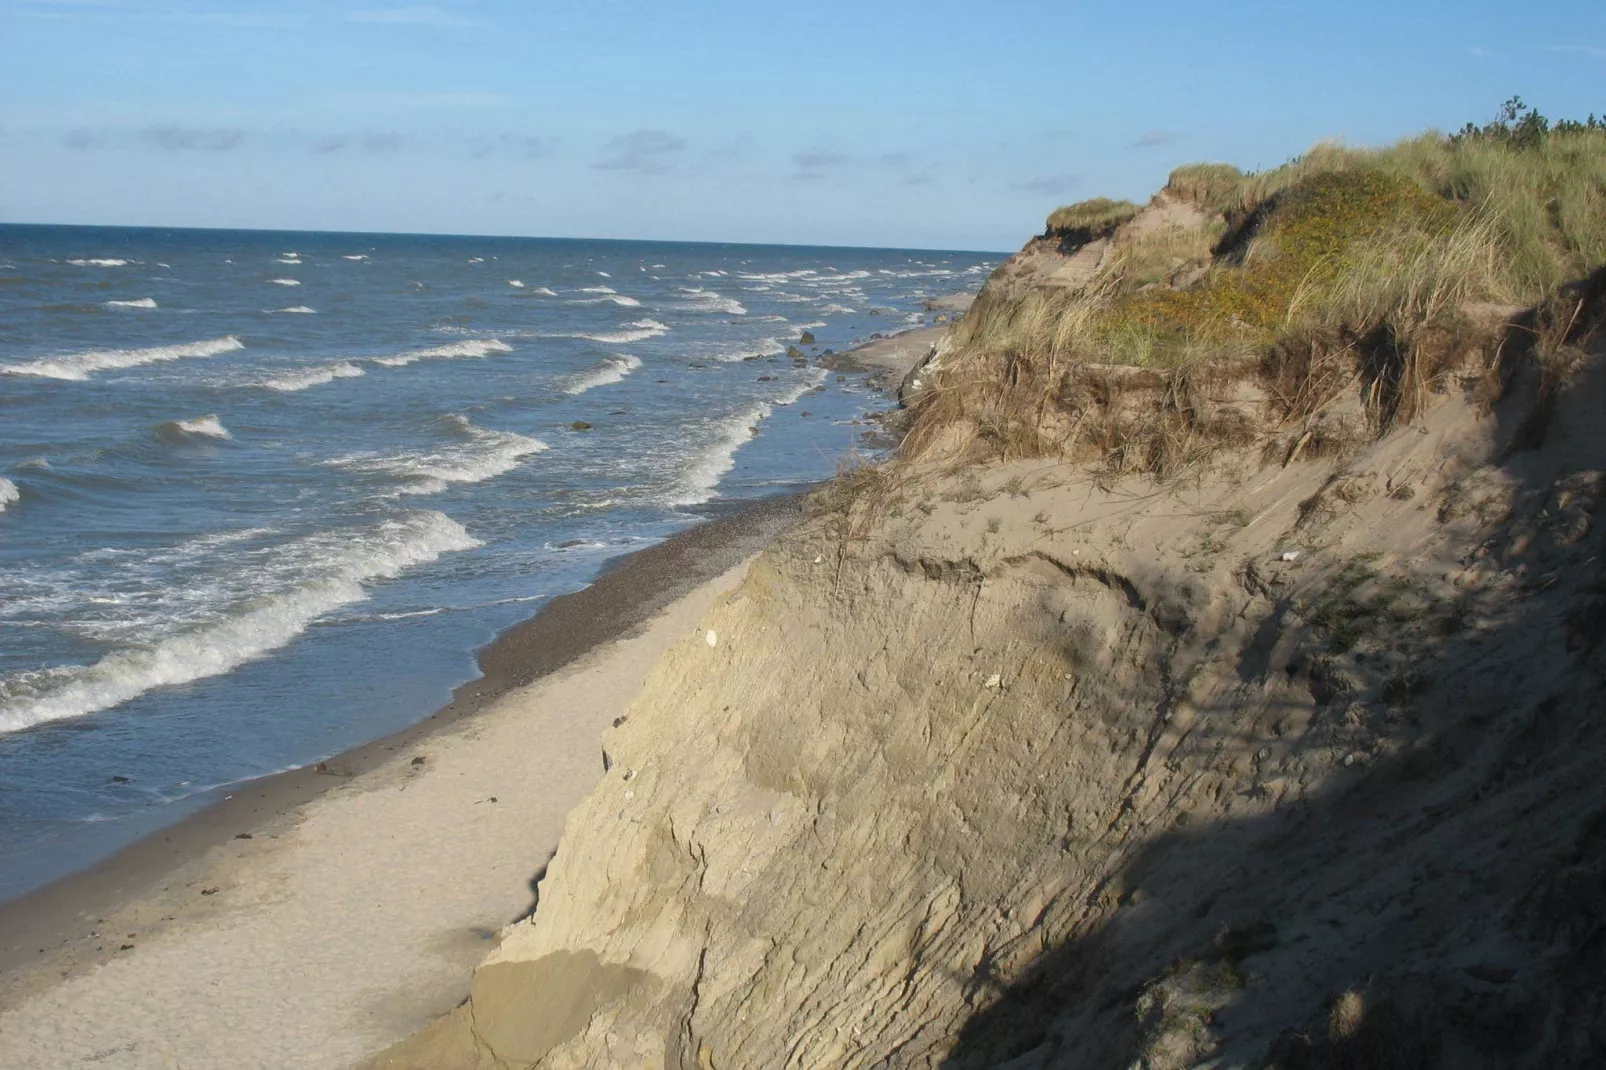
(84, 138)
(522, 146)
(526, 147)
(412, 15)
(1476, 51)
(1051, 185)
(817, 163)
(192, 138)
(651, 152)
(371, 141)
(910, 171)
(1155, 139)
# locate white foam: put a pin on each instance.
(605, 275)
(616, 299)
(843, 310)
(476, 260)
(544, 291)
(143, 302)
(300, 310)
(637, 331)
(700, 477)
(608, 372)
(476, 348)
(288, 260)
(313, 377)
(597, 290)
(99, 262)
(324, 572)
(733, 352)
(483, 454)
(8, 493)
(356, 256)
(285, 282)
(700, 300)
(178, 432)
(82, 365)
(516, 284)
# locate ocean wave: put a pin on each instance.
(143, 302)
(516, 284)
(285, 282)
(843, 310)
(313, 377)
(8, 493)
(609, 371)
(355, 256)
(476, 348)
(733, 352)
(300, 310)
(617, 299)
(700, 478)
(329, 571)
(99, 262)
(482, 454)
(710, 464)
(636, 331)
(185, 430)
(700, 300)
(81, 365)
(596, 290)
(291, 261)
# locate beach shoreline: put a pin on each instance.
(171, 888)
(48, 921)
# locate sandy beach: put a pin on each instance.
(323, 934)
(312, 918)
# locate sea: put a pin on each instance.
(264, 494)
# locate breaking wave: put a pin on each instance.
(609, 371)
(637, 331)
(185, 430)
(325, 571)
(98, 262)
(700, 478)
(313, 377)
(81, 365)
(447, 352)
(143, 302)
(8, 493)
(480, 454)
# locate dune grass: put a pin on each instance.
(1091, 218)
(1340, 250)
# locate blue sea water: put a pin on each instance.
(262, 495)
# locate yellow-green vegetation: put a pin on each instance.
(1373, 255)
(1211, 186)
(1095, 217)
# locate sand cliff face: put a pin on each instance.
(1006, 766)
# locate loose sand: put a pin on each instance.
(343, 925)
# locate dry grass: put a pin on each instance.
(1087, 219)
(1344, 272)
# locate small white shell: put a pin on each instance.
(713, 640)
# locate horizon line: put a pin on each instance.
(501, 237)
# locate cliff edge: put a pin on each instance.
(1214, 680)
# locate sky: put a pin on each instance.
(932, 124)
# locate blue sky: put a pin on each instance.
(934, 124)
